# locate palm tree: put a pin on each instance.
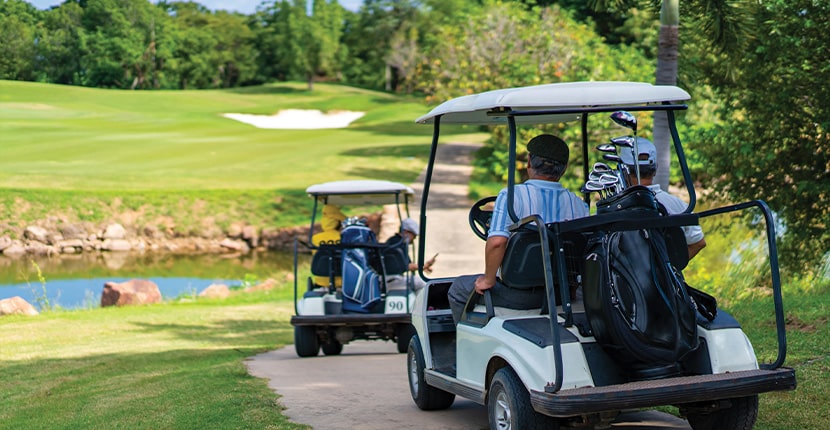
(726, 27)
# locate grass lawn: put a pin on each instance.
(169, 158)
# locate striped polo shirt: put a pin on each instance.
(548, 199)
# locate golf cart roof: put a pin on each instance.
(360, 192)
(572, 96)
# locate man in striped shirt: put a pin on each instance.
(542, 195)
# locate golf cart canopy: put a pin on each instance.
(489, 108)
(360, 192)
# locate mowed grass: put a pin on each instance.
(73, 138)
(171, 160)
(167, 366)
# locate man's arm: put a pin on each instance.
(493, 256)
(696, 247)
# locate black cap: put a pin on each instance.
(548, 146)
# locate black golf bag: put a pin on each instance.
(635, 296)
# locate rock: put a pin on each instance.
(115, 231)
(268, 284)
(34, 232)
(38, 248)
(16, 305)
(235, 230)
(234, 245)
(116, 245)
(73, 231)
(132, 292)
(249, 234)
(15, 249)
(76, 244)
(216, 291)
(5, 242)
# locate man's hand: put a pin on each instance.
(482, 283)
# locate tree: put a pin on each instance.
(774, 141)
(18, 21)
(314, 40)
(63, 44)
(725, 24)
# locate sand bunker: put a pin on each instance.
(298, 119)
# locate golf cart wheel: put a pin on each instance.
(427, 397)
(508, 405)
(404, 333)
(332, 347)
(739, 414)
(305, 341)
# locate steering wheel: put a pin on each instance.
(480, 217)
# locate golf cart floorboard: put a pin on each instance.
(670, 391)
(350, 319)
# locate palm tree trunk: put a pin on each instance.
(667, 50)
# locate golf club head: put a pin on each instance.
(601, 167)
(612, 157)
(606, 147)
(625, 119)
(626, 141)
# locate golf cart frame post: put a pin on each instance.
(510, 119)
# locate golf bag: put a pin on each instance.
(635, 297)
(361, 284)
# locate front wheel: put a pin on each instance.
(305, 341)
(508, 405)
(403, 333)
(427, 397)
(734, 414)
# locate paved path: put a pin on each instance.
(366, 387)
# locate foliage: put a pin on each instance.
(775, 145)
(525, 53)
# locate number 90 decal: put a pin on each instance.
(395, 305)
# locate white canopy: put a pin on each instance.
(473, 109)
(360, 192)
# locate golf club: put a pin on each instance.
(607, 147)
(629, 121)
(626, 141)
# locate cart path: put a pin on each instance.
(366, 387)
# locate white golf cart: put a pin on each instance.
(540, 369)
(353, 302)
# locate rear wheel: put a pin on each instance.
(734, 414)
(508, 405)
(305, 341)
(333, 347)
(425, 396)
(404, 332)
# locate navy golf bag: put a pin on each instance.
(361, 284)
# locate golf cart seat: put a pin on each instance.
(391, 257)
(326, 263)
(523, 268)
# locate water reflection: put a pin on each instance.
(77, 280)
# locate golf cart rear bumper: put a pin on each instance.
(670, 391)
(350, 319)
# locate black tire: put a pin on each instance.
(333, 347)
(404, 333)
(739, 414)
(427, 397)
(508, 405)
(305, 341)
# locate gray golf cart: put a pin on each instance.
(547, 367)
(356, 301)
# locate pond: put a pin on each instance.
(76, 281)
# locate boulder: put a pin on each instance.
(132, 292)
(266, 285)
(34, 232)
(115, 231)
(116, 245)
(16, 249)
(250, 234)
(216, 291)
(5, 242)
(16, 305)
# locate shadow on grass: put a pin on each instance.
(268, 89)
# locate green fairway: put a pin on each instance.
(170, 159)
(73, 138)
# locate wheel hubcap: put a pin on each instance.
(502, 412)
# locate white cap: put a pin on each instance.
(648, 153)
(409, 225)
